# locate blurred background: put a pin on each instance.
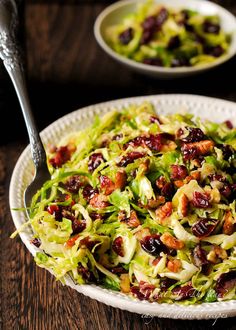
(66, 69)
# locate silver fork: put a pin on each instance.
(10, 55)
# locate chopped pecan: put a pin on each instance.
(183, 206)
(99, 201)
(171, 242)
(174, 265)
(217, 253)
(228, 226)
(160, 182)
(195, 149)
(120, 180)
(154, 203)
(106, 184)
(125, 283)
(196, 175)
(133, 220)
(179, 183)
(164, 211)
(169, 146)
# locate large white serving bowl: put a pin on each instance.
(205, 107)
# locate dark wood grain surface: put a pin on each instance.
(67, 70)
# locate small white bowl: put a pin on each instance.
(115, 13)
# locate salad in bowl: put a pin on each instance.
(167, 39)
(143, 204)
(161, 36)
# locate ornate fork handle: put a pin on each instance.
(10, 54)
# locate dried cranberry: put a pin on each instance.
(178, 172)
(94, 161)
(96, 216)
(88, 243)
(194, 135)
(75, 182)
(229, 124)
(153, 61)
(217, 177)
(226, 190)
(118, 247)
(146, 289)
(209, 27)
(149, 23)
(225, 283)
(67, 213)
(130, 158)
(161, 17)
(36, 242)
(146, 36)
(215, 51)
(126, 36)
(227, 151)
(89, 192)
(118, 270)
(86, 274)
(189, 152)
(184, 292)
(168, 191)
(199, 256)
(173, 43)
(78, 226)
(55, 210)
(204, 227)
(153, 245)
(149, 28)
(153, 142)
(143, 291)
(62, 155)
(136, 292)
(201, 200)
(166, 283)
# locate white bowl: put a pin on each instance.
(115, 13)
(214, 109)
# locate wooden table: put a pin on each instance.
(67, 70)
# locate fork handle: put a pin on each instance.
(10, 54)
